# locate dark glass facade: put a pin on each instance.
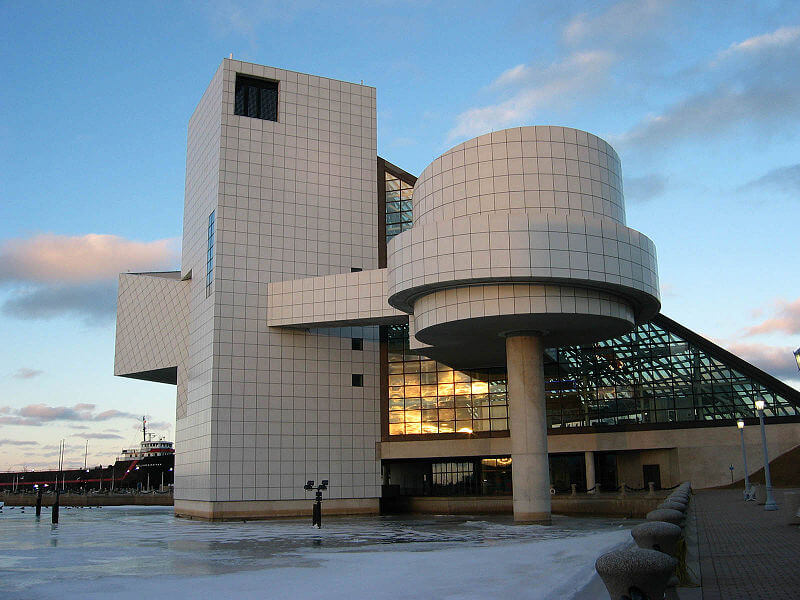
(398, 205)
(454, 477)
(256, 98)
(210, 252)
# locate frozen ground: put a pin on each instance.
(136, 552)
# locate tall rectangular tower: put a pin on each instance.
(280, 185)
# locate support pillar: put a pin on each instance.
(528, 423)
(590, 475)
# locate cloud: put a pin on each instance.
(97, 436)
(25, 373)
(622, 22)
(647, 187)
(7, 442)
(52, 276)
(94, 303)
(93, 257)
(778, 361)
(785, 180)
(151, 425)
(786, 319)
(37, 414)
(535, 87)
(780, 38)
(757, 87)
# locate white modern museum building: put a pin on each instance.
(406, 338)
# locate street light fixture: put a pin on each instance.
(740, 425)
(316, 513)
(797, 358)
(770, 503)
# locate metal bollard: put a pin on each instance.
(651, 489)
(574, 489)
(635, 573)
(622, 490)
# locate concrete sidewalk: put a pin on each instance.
(745, 552)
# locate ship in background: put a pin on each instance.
(148, 467)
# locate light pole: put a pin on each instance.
(740, 425)
(770, 503)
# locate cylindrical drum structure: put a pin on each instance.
(520, 231)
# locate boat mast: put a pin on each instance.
(85, 454)
(144, 429)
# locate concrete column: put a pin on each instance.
(528, 423)
(590, 476)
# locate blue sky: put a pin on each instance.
(702, 104)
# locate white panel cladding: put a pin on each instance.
(296, 199)
(476, 302)
(547, 169)
(348, 297)
(520, 245)
(152, 321)
(153, 327)
(193, 474)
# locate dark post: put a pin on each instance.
(39, 503)
(316, 516)
(54, 510)
(316, 509)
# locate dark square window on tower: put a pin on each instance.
(256, 98)
(358, 380)
(357, 343)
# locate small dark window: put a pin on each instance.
(357, 344)
(256, 98)
(356, 269)
(358, 380)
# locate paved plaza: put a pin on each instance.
(745, 552)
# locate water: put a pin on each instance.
(120, 548)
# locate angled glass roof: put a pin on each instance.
(660, 372)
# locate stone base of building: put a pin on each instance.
(595, 505)
(272, 509)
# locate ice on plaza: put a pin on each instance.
(131, 552)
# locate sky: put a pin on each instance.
(700, 99)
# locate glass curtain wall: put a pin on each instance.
(650, 375)
(398, 205)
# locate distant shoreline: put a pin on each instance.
(72, 499)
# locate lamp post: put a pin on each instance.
(770, 503)
(740, 425)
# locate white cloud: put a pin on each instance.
(785, 36)
(91, 257)
(759, 89)
(621, 22)
(55, 275)
(535, 88)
